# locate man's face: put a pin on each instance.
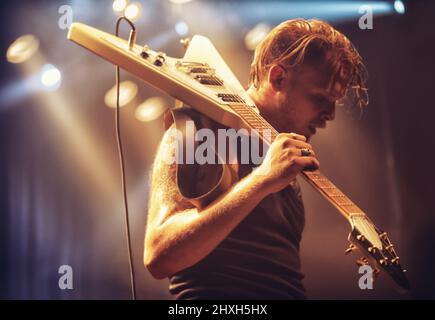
(307, 102)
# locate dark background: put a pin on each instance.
(60, 191)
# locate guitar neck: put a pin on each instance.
(318, 180)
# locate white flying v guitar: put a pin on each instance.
(202, 79)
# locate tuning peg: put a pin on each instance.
(383, 235)
(350, 249)
(395, 260)
(360, 237)
(384, 261)
(362, 261)
(372, 249)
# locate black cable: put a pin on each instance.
(121, 160)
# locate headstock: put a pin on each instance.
(377, 249)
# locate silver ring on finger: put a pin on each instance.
(306, 152)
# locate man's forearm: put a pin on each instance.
(185, 238)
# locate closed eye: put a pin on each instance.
(320, 99)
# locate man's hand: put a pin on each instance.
(284, 160)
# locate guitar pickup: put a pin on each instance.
(228, 97)
(199, 70)
(209, 80)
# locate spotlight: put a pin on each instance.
(133, 11)
(50, 77)
(179, 1)
(181, 28)
(399, 6)
(256, 35)
(22, 49)
(119, 5)
(150, 109)
(127, 92)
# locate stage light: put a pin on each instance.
(127, 92)
(22, 49)
(251, 11)
(133, 11)
(181, 28)
(119, 5)
(399, 6)
(50, 77)
(150, 109)
(256, 35)
(179, 1)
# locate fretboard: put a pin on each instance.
(319, 181)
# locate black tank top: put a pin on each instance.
(258, 260)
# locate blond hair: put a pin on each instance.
(297, 42)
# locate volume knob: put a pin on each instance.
(160, 59)
(144, 54)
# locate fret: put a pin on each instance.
(343, 201)
(254, 117)
(338, 196)
(352, 211)
(315, 176)
(334, 192)
(323, 183)
(260, 125)
(327, 188)
(247, 113)
(250, 117)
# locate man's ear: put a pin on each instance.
(278, 77)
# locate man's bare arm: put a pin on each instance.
(179, 235)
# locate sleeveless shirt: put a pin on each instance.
(259, 259)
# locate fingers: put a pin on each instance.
(306, 152)
(303, 152)
(292, 135)
(293, 139)
(299, 151)
(307, 163)
(298, 136)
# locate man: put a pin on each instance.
(245, 244)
